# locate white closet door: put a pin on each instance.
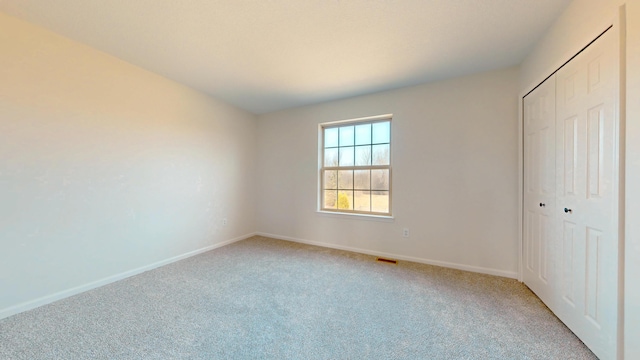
(587, 175)
(539, 189)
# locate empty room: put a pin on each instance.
(365, 179)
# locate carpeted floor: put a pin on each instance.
(268, 299)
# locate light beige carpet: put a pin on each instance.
(268, 299)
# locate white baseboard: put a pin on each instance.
(47, 299)
(32, 304)
(476, 269)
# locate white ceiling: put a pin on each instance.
(266, 55)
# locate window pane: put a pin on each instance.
(361, 179)
(346, 135)
(331, 157)
(331, 137)
(345, 200)
(362, 201)
(380, 201)
(382, 132)
(363, 155)
(381, 154)
(350, 150)
(331, 179)
(346, 156)
(363, 134)
(330, 199)
(380, 179)
(345, 179)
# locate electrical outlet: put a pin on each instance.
(405, 232)
(224, 222)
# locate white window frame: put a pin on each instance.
(322, 168)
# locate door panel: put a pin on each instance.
(593, 274)
(543, 242)
(568, 263)
(570, 160)
(587, 195)
(595, 150)
(539, 185)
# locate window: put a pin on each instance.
(355, 169)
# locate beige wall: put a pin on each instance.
(454, 174)
(581, 22)
(106, 168)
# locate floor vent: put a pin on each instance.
(388, 261)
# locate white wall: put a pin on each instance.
(454, 166)
(579, 24)
(106, 168)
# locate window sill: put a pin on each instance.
(342, 215)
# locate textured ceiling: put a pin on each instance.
(266, 55)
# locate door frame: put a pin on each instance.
(618, 25)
